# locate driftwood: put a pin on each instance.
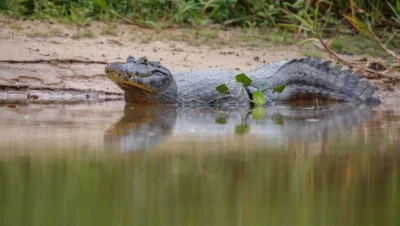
(55, 60)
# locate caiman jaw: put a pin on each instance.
(118, 78)
(143, 81)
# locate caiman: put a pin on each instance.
(145, 81)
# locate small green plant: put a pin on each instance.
(279, 90)
(258, 97)
(222, 90)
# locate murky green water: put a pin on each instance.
(202, 189)
(110, 164)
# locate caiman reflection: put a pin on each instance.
(145, 127)
(141, 127)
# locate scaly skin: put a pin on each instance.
(149, 82)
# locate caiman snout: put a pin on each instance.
(142, 74)
(115, 67)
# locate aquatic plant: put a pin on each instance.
(258, 98)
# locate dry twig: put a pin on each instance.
(350, 64)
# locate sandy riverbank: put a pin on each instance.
(27, 40)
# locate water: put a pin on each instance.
(111, 164)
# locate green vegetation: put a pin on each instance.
(358, 45)
(246, 13)
(258, 98)
(55, 32)
(110, 30)
(312, 51)
(83, 34)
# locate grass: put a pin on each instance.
(55, 32)
(110, 31)
(279, 37)
(308, 49)
(312, 52)
(196, 37)
(355, 45)
(36, 34)
(15, 27)
(248, 13)
(83, 34)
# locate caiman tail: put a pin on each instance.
(309, 78)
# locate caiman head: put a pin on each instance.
(143, 81)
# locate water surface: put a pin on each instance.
(111, 164)
(114, 127)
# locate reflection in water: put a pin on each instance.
(140, 127)
(95, 127)
(258, 188)
(146, 127)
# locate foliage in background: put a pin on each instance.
(247, 13)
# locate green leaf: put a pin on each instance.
(258, 113)
(242, 78)
(279, 89)
(220, 120)
(396, 12)
(242, 129)
(263, 86)
(223, 89)
(101, 3)
(259, 98)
